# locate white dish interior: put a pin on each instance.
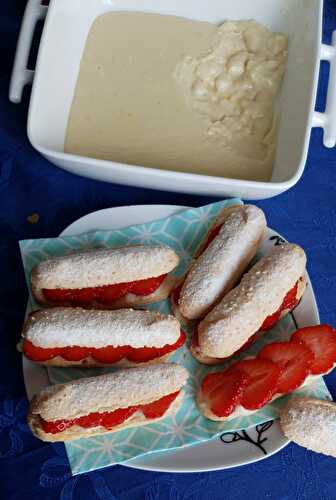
(63, 41)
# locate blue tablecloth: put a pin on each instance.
(30, 469)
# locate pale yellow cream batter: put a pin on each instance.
(176, 94)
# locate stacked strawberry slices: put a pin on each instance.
(278, 369)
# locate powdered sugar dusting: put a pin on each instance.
(90, 268)
(261, 292)
(109, 392)
(311, 423)
(62, 327)
(219, 267)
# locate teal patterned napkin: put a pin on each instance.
(183, 233)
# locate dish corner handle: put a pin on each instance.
(327, 120)
(21, 75)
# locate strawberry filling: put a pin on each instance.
(321, 341)
(262, 381)
(295, 360)
(290, 301)
(224, 391)
(106, 355)
(110, 419)
(279, 368)
(103, 294)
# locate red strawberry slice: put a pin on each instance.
(58, 295)
(110, 419)
(75, 353)
(147, 286)
(142, 354)
(109, 354)
(90, 420)
(110, 293)
(262, 380)
(294, 358)
(56, 426)
(39, 354)
(84, 296)
(321, 340)
(158, 408)
(224, 391)
(289, 302)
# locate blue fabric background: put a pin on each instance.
(30, 469)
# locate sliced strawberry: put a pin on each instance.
(76, 353)
(321, 340)
(212, 381)
(289, 302)
(147, 286)
(56, 426)
(104, 294)
(83, 296)
(58, 295)
(223, 391)
(271, 320)
(110, 419)
(90, 420)
(110, 293)
(158, 408)
(142, 354)
(294, 358)
(262, 379)
(109, 354)
(39, 354)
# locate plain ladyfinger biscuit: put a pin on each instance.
(101, 267)
(222, 263)
(259, 294)
(63, 327)
(311, 423)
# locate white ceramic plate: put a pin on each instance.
(231, 449)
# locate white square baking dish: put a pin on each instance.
(66, 28)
